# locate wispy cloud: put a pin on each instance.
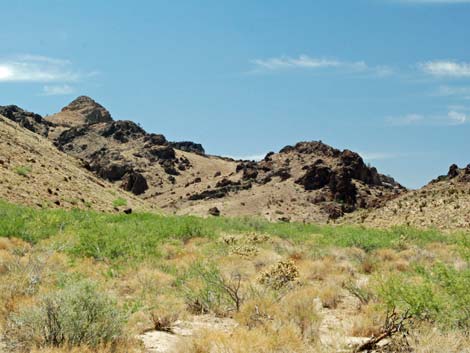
(452, 118)
(453, 91)
(30, 68)
(251, 157)
(57, 90)
(446, 68)
(307, 62)
(376, 156)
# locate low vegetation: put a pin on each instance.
(92, 282)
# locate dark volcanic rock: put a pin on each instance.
(356, 168)
(227, 182)
(249, 168)
(214, 211)
(453, 171)
(209, 194)
(155, 140)
(314, 147)
(221, 191)
(68, 136)
(31, 121)
(135, 183)
(188, 146)
(112, 171)
(316, 177)
(169, 167)
(343, 188)
(163, 152)
(123, 130)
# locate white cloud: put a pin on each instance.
(307, 62)
(30, 68)
(302, 61)
(57, 90)
(453, 118)
(252, 157)
(444, 68)
(457, 118)
(375, 156)
(447, 91)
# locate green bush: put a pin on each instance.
(76, 315)
(440, 294)
(23, 170)
(213, 292)
(120, 202)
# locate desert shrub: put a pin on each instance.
(76, 315)
(280, 275)
(207, 290)
(361, 292)
(330, 295)
(439, 294)
(23, 170)
(21, 275)
(119, 202)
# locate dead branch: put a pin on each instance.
(394, 323)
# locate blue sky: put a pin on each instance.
(387, 78)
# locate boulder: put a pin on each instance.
(163, 152)
(188, 146)
(453, 171)
(214, 211)
(135, 183)
(317, 176)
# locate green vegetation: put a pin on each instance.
(23, 170)
(106, 236)
(73, 316)
(439, 294)
(263, 275)
(120, 202)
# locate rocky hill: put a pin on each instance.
(444, 203)
(33, 172)
(310, 181)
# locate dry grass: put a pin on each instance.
(306, 303)
(368, 322)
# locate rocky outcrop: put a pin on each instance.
(135, 183)
(31, 121)
(340, 180)
(87, 107)
(221, 190)
(188, 146)
(316, 177)
(456, 174)
(305, 181)
(123, 131)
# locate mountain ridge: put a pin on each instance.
(309, 181)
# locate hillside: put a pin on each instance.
(444, 203)
(34, 172)
(310, 181)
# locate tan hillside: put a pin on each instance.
(444, 204)
(310, 181)
(34, 172)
